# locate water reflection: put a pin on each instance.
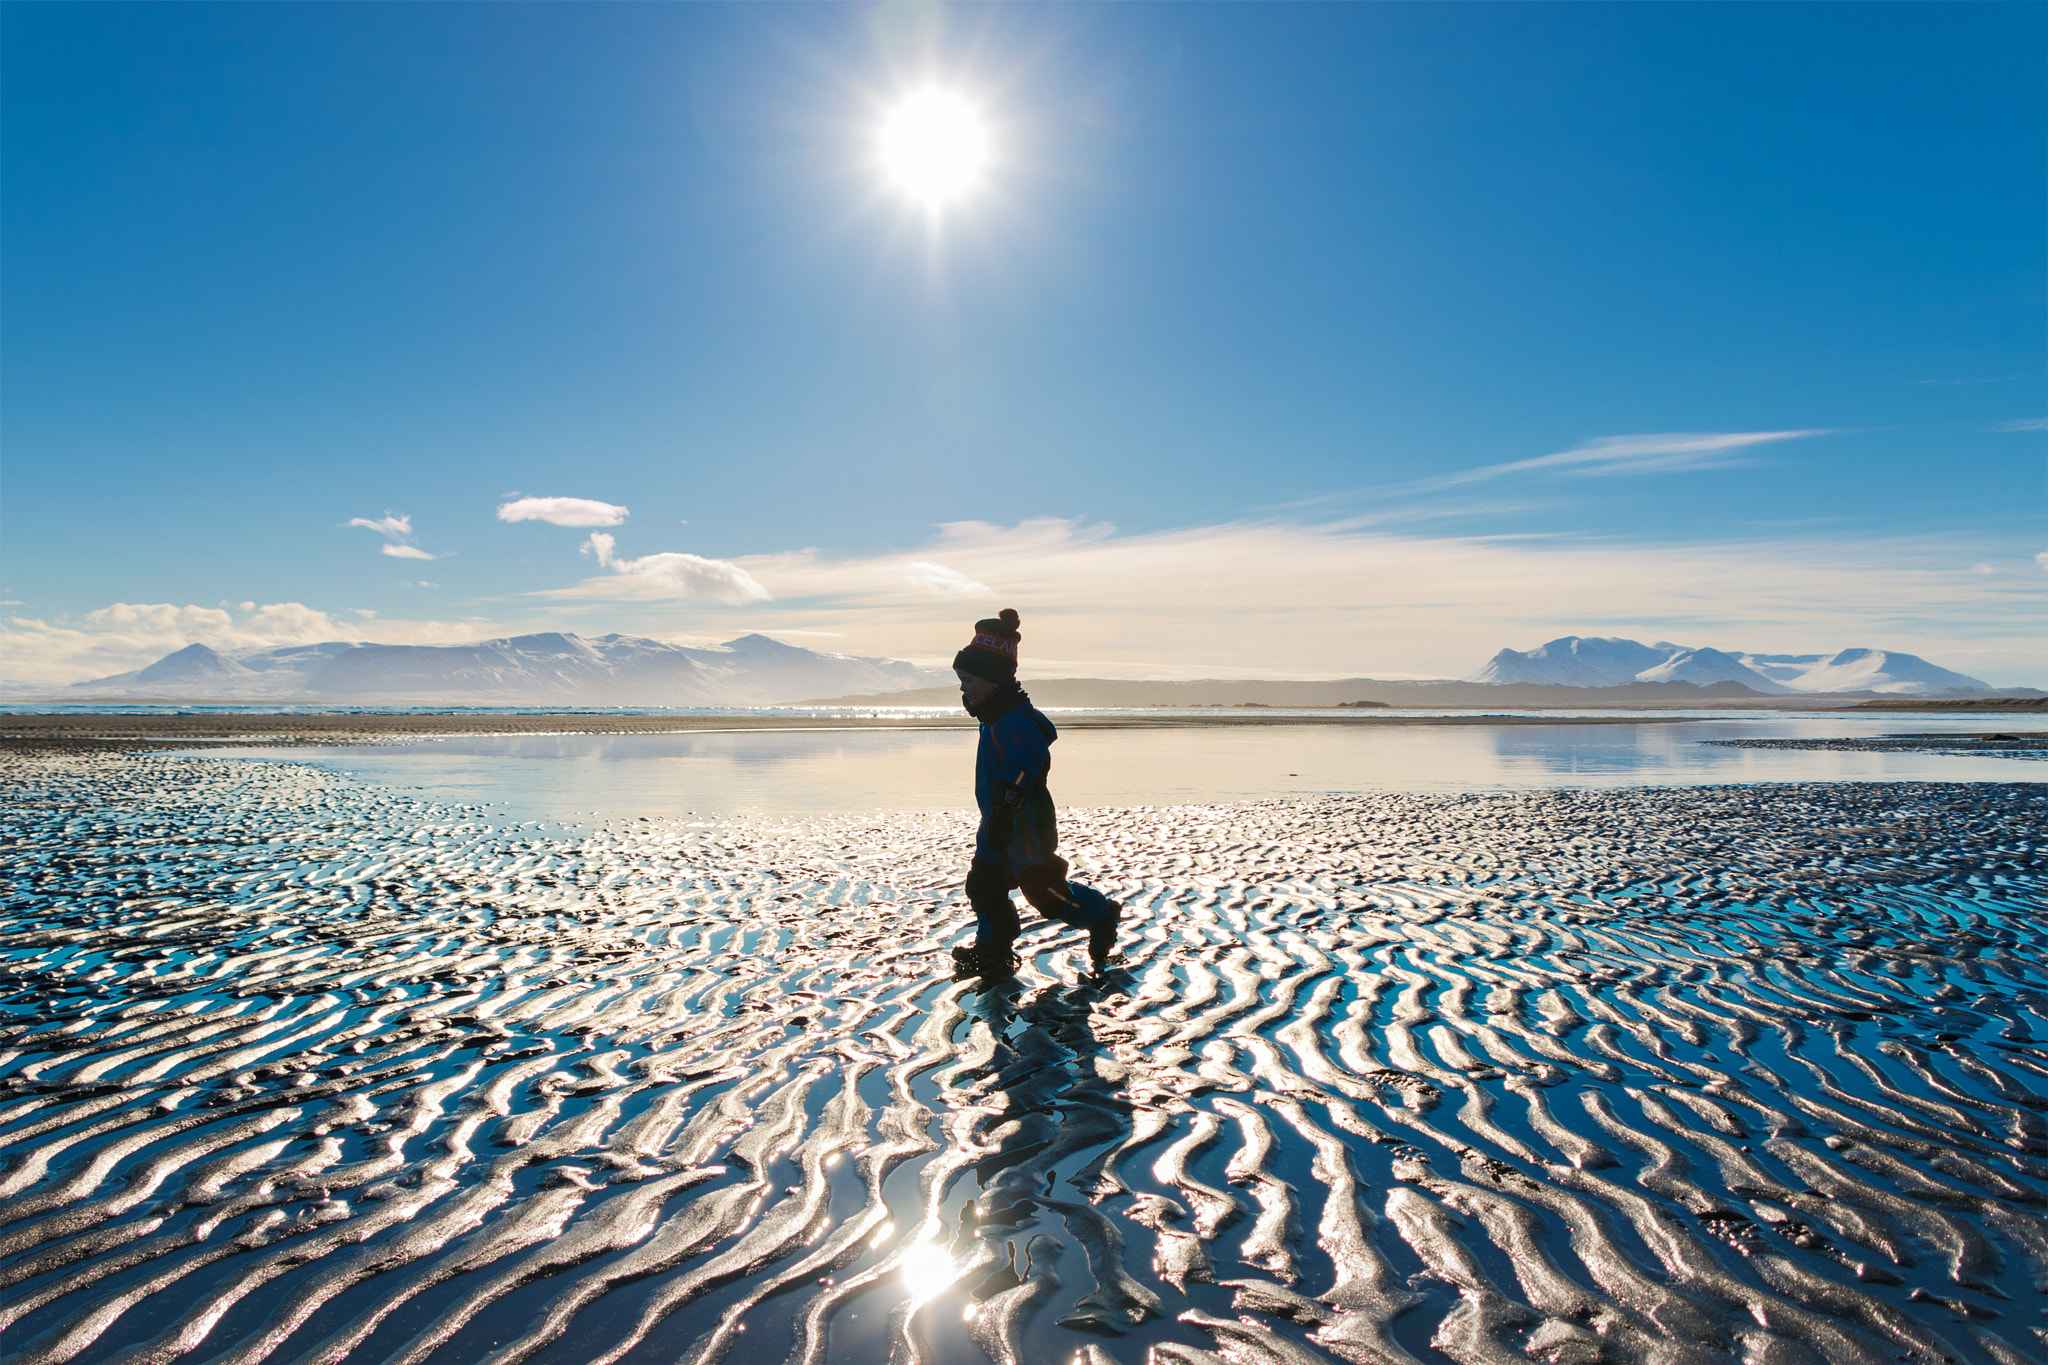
(580, 777)
(928, 1271)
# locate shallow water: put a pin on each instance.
(302, 1069)
(579, 778)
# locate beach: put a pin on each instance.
(299, 1067)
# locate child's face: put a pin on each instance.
(974, 689)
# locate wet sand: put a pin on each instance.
(296, 1069)
(1995, 743)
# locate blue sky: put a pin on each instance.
(1286, 340)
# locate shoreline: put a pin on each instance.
(26, 735)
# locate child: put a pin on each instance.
(1016, 846)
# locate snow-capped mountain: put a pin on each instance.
(1860, 670)
(1579, 661)
(193, 664)
(553, 668)
(1575, 661)
(1705, 666)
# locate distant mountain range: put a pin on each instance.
(626, 670)
(1572, 672)
(1581, 661)
(553, 668)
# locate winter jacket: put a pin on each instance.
(1015, 754)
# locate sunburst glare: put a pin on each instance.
(934, 147)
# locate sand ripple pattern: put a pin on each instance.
(296, 1070)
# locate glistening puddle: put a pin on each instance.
(579, 778)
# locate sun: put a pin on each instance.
(934, 147)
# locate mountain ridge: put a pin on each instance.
(551, 666)
(1609, 661)
(563, 668)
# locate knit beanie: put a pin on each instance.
(992, 653)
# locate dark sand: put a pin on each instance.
(1937, 706)
(1994, 743)
(294, 1069)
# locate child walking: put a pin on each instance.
(1017, 845)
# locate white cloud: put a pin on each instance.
(562, 511)
(940, 581)
(389, 526)
(130, 635)
(2042, 559)
(1654, 453)
(2025, 424)
(397, 533)
(671, 574)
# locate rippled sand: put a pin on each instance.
(302, 1071)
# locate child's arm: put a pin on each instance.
(1022, 756)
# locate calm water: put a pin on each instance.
(578, 778)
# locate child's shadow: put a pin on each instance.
(1054, 1088)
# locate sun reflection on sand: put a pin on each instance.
(927, 1271)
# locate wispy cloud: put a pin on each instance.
(1668, 452)
(563, 511)
(1656, 453)
(2025, 424)
(672, 574)
(397, 533)
(940, 581)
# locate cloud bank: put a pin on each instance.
(1245, 599)
(562, 511)
(129, 635)
(1291, 600)
(1282, 599)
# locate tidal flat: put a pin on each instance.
(296, 1067)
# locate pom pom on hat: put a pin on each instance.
(992, 653)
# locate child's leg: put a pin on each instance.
(1098, 906)
(995, 918)
(1068, 902)
(1084, 907)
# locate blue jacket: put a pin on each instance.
(1015, 755)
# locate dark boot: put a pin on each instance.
(976, 960)
(1102, 938)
